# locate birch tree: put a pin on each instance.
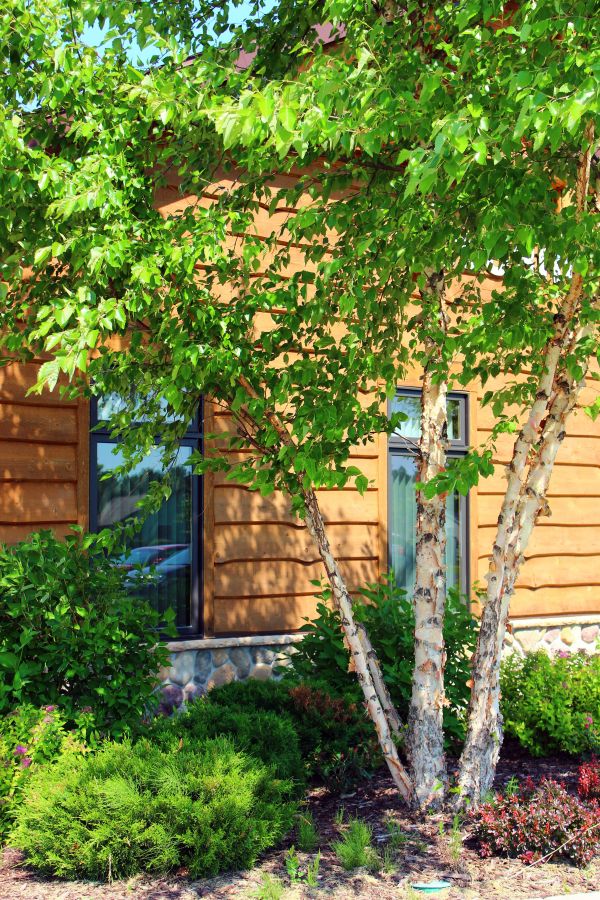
(421, 149)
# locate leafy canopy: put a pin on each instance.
(303, 197)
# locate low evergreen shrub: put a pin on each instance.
(132, 808)
(535, 820)
(29, 738)
(269, 737)
(388, 615)
(71, 636)
(552, 704)
(337, 740)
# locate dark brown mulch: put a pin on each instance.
(423, 854)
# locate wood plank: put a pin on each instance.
(555, 571)
(38, 423)
(575, 450)
(37, 462)
(234, 503)
(265, 616)
(12, 534)
(549, 540)
(565, 510)
(556, 601)
(566, 481)
(17, 378)
(260, 542)
(273, 578)
(28, 502)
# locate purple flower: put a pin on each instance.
(26, 762)
(50, 708)
(20, 750)
(564, 654)
(588, 722)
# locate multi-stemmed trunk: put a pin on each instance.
(425, 723)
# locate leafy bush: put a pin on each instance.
(28, 738)
(552, 704)
(588, 781)
(536, 820)
(138, 808)
(337, 741)
(71, 636)
(387, 613)
(269, 737)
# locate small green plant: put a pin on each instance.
(388, 862)
(453, 839)
(396, 837)
(292, 865)
(312, 871)
(308, 836)
(271, 888)
(339, 816)
(511, 787)
(355, 849)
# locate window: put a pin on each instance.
(168, 542)
(403, 449)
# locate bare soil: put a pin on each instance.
(422, 853)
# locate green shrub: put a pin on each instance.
(387, 613)
(269, 737)
(137, 808)
(552, 704)
(337, 740)
(71, 636)
(29, 737)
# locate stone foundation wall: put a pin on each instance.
(199, 665)
(555, 635)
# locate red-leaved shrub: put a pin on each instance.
(588, 784)
(536, 820)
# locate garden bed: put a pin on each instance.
(422, 855)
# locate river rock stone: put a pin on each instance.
(223, 675)
(171, 699)
(182, 668)
(241, 659)
(590, 633)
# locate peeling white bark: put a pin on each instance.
(528, 478)
(426, 731)
(362, 654)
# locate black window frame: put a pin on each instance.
(193, 438)
(457, 447)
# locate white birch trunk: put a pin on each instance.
(528, 478)
(426, 731)
(363, 657)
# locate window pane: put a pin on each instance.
(410, 405)
(402, 525)
(163, 544)
(110, 404)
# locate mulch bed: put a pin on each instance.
(424, 855)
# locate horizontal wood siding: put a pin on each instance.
(43, 464)
(561, 573)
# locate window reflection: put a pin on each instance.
(158, 559)
(403, 521)
(410, 405)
